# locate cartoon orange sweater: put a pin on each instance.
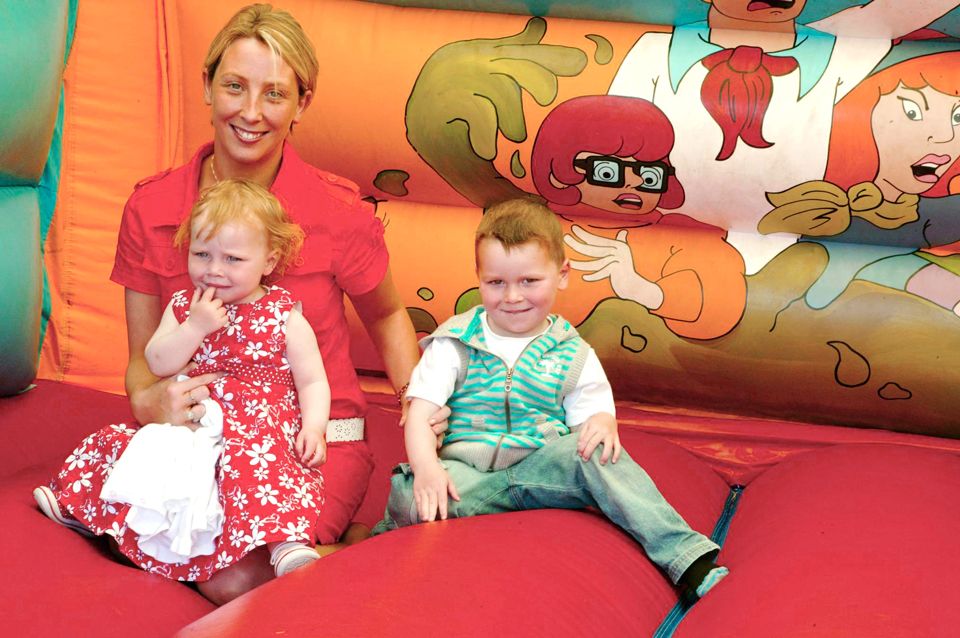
(700, 274)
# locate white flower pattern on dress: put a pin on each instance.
(259, 325)
(77, 460)
(305, 495)
(255, 538)
(224, 560)
(267, 494)
(255, 350)
(235, 326)
(83, 481)
(206, 354)
(261, 454)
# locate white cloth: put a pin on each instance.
(166, 475)
(436, 374)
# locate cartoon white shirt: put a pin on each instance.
(664, 68)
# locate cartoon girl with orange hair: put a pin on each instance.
(606, 158)
(751, 91)
(883, 202)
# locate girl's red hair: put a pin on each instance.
(606, 125)
(853, 156)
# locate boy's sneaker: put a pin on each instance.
(713, 577)
(701, 576)
(47, 503)
(288, 556)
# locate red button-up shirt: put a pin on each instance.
(344, 251)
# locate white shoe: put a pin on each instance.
(289, 556)
(47, 503)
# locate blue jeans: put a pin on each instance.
(554, 477)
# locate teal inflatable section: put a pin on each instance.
(20, 290)
(33, 44)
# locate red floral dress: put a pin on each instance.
(266, 493)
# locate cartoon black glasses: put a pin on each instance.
(608, 170)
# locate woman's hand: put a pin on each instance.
(172, 401)
(437, 421)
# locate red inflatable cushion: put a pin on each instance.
(852, 540)
(543, 572)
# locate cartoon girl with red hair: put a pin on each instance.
(885, 197)
(606, 159)
(751, 92)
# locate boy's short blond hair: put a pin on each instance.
(245, 202)
(518, 221)
(279, 31)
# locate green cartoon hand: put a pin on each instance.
(469, 91)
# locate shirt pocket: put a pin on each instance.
(160, 257)
(316, 254)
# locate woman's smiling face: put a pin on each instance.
(916, 132)
(255, 99)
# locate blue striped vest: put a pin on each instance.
(500, 415)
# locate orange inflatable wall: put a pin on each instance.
(744, 329)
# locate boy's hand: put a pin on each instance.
(600, 429)
(312, 447)
(206, 312)
(430, 489)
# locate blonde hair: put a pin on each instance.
(517, 221)
(246, 202)
(279, 31)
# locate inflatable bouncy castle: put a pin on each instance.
(761, 208)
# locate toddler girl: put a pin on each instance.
(273, 393)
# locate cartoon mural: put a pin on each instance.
(886, 197)
(607, 157)
(687, 187)
(469, 91)
(748, 67)
(672, 146)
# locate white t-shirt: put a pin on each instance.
(436, 374)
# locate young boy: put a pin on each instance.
(519, 381)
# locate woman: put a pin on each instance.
(259, 77)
